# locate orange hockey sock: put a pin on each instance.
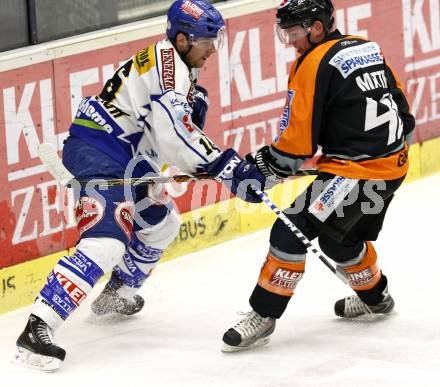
(280, 277)
(366, 274)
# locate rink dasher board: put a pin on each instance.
(204, 227)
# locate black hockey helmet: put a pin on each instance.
(304, 13)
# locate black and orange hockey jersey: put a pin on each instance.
(344, 97)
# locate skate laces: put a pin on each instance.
(355, 306)
(43, 333)
(250, 324)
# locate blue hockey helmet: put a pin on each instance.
(197, 18)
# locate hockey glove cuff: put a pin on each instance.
(239, 175)
(267, 165)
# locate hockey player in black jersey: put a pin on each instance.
(343, 96)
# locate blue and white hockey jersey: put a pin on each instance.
(144, 110)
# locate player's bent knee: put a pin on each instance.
(340, 252)
(283, 240)
(173, 225)
(163, 234)
(105, 252)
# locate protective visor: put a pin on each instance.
(211, 43)
(290, 35)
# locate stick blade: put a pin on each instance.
(49, 156)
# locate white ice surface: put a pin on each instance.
(191, 301)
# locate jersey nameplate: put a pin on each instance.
(168, 68)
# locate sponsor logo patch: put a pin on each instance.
(348, 42)
(285, 118)
(168, 68)
(148, 253)
(124, 217)
(187, 123)
(131, 266)
(227, 170)
(145, 60)
(88, 213)
(54, 308)
(331, 197)
(63, 304)
(76, 294)
(350, 59)
(360, 278)
(80, 262)
(88, 110)
(284, 278)
(192, 9)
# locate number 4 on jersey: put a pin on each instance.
(373, 120)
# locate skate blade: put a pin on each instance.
(258, 343)
(369, 317)
(26, 358)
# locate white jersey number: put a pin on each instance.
(373, 120)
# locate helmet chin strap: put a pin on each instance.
(308, 38)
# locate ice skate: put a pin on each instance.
(109, 301)
(251, 331)
(35, 348)
(352, 306)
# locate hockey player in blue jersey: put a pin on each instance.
(146, 116)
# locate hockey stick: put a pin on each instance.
(282, 216)
(49, 156)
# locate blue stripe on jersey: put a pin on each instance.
(113, 144)
(178, 134)
(102, 141)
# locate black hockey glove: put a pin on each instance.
(266, 164)
(199, 106)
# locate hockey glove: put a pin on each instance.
(199, 106)
(270, 167)
(239, 175)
